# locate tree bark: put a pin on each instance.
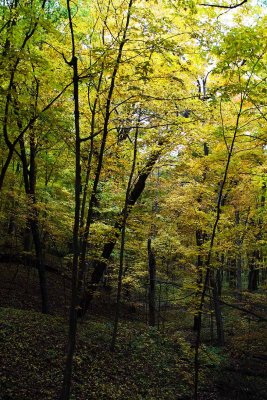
(29, 177)
(152, 285)
(217, 310)
(121, 267)
(253, 276)
(199, 242)
(99, 267)
(200, 239)
(66, 385)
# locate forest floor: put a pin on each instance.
(147, 364)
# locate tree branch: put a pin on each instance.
(231, 7)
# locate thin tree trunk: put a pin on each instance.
(152, 285)
(200, 239)
(238, 259)
(66, 386)
(121, 267)
(239, 274)
(212, 239)
(90, 154)
(253, 276)
(219, 280)
(34, 220)
(217, 310)
(255, 262)
(29, 177)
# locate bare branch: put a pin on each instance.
(231, 7)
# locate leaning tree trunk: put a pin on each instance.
(99, 266)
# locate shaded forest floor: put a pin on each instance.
(147, 364)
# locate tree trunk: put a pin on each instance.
(66, 385)
(232, 272)
(99, 267)
(219, 280)
(238, 260)
(200, 239)
(199, 242)
(121, 267)
(217, 311)
(253, 276)
(255, 262)
(29, 177)
(40, 265)
(152, 285)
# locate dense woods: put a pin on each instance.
(133, 199)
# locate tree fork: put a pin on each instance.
(66, 386)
